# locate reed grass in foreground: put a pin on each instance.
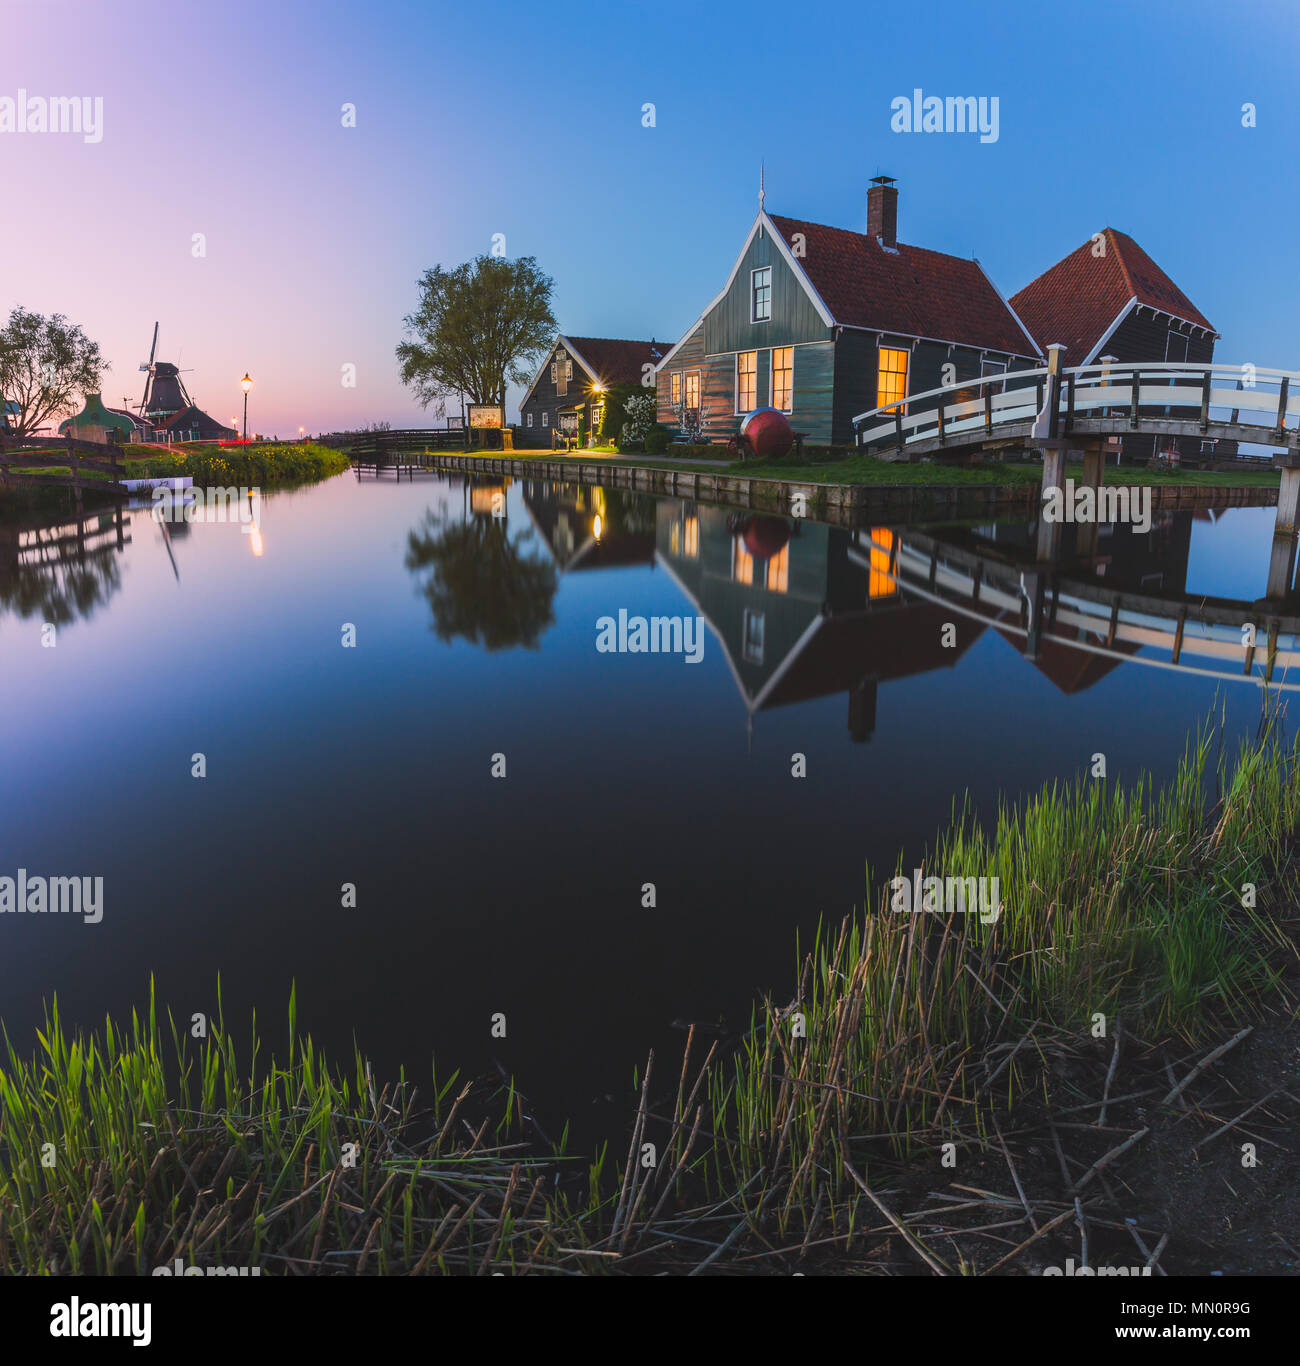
(123, 1151)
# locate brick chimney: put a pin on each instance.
(882, 211)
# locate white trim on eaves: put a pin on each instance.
(1006, 303)
(546, 360)
(1109, 332)
(763, 220)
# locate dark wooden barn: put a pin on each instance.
(1110, 299)
(570, 383)
(825, 323)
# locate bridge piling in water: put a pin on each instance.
(1288, 502)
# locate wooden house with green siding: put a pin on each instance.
(824, 323)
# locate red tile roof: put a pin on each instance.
(615, 360)
(1077, 300)
(912, 290)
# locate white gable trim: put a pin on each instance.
(1108, 333)
(799, 273)
(786, 255)
(1006, 303)
(594, 377)
(546, 360)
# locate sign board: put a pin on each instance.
(486, 415)
(568, 422)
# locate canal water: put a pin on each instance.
(501, 790)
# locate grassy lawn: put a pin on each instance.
(862, 469)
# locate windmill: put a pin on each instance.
(147, 368)
(165, 394)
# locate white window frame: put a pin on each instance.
(989, 368)
(530, 419)
(546, 418)
(771, 378)
(753, 294)
(739, 409)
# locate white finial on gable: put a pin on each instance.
(762, 191)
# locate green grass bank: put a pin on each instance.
(799, 1143)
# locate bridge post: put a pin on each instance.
(1281, 566)
(1288, 502)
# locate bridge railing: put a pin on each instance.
(1264, 402)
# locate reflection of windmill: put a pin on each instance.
(164, 390)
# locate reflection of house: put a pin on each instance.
(800, 613)
(589, 527)
(824, 323)
(1109, 298)
(571, 382)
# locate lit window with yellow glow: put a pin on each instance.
(783, 378)
(778, 571)
(742, 563)
(677, 388)
(746, 381)
(692, 544)
(891, 377)
(692, 389)
(880, 583)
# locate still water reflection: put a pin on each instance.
(907, 664)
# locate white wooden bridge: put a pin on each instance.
(1226, 402)
(1059, 412)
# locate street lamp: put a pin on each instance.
(300, 433)
(246, 384)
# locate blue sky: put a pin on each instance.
(526, 120)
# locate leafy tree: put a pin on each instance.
(476, 327)
(46, 365)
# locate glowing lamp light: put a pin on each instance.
(596, 526)
(246, 383)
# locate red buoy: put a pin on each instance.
(767, 433)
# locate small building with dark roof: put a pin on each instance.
(1108, 298)
(571, 380)
(825, 323)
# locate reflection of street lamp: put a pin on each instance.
(246, 384)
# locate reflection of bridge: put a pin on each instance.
(1054, 608)
(1059, 411)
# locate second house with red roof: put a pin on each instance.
(1108, 302)
(825, 323)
